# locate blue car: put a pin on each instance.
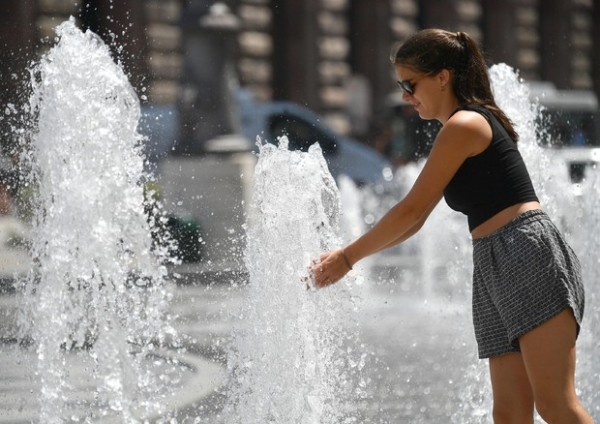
(344, 155)
(269, 121)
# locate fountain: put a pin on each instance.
(97, 297)
(294, 356)
(97, 294)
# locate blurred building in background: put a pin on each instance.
(329, 55)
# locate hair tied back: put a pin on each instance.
(461, 37)
(463, 40)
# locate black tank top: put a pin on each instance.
(491, 181)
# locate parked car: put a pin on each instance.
(269, 121)
(303, 127)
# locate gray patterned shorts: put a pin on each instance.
(524, 274)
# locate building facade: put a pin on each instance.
(330, 55)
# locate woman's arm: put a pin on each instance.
(414, 229)
(465, 135)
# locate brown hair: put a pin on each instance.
(430, 50)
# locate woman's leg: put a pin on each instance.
(548, 353)
(513, 398)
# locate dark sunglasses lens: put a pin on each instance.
(406, 86)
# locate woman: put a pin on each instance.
(527, 293)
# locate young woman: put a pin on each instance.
(528, 296)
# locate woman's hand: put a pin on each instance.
(331, 267)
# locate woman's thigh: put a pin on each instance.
(513, 397)
(549, 356)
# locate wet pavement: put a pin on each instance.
(422, 368)
(422, 354)
(197, 372)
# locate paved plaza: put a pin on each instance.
(422, 365)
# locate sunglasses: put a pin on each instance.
(407, 86)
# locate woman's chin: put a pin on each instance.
(424, 115)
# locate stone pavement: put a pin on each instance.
(19, 389)
(422, 353)
(200, 368)
(423, 366)
(411, 377)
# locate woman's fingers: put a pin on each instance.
(330, 268)
(317, 270)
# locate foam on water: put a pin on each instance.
(98, 287)
(294, 357)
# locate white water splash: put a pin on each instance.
(296, 358)
(573, 207)
(98, 289)
(584, 226)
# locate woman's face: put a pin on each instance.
(421, 91)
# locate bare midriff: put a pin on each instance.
(502, 218)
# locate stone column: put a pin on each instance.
(452, 15)
(555, 29)
(18, 41)
(295, 54)
(440, 14)
(596, 47)
(512, 34)
(121, 24)
(207, 106)
(371, 40)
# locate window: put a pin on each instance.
(570, 128)
(300, 133)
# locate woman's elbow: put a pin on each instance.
(418, 217)
(415, 216)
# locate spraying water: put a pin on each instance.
(572, 207)
(97, 293)
(294, 359)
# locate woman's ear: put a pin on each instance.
(444, 78)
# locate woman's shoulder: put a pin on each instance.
(475, 118)
(470, 126)
(474, 108)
